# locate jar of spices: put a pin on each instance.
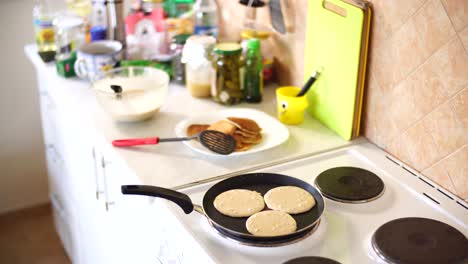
(178, 69)
(198, 68)
(228, 80)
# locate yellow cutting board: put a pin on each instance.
(333, 45)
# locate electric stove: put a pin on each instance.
(354, 228)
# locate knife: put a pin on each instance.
(276, 13)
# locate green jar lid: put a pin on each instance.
(253, 44)
(180, 39)
(228, 48)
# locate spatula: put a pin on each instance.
(308, 84)
(213, 140)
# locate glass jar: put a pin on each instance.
(198, 68)
(228, 82)
(178, 69)
(69, 34)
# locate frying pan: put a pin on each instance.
(235, 227)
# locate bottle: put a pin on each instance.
(44, 30)
(178, 69)
(253, 79)
(98, 30)
(206, 18)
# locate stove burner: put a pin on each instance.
(420, 240)
(311, 260)
(267, 242)
(350, 185)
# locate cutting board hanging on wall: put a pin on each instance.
(336, 45)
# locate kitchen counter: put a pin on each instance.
(175, 165)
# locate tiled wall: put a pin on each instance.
(417, 94)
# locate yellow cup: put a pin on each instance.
(290, 108)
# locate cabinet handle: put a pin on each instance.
(96, 178)
(107, 203)
(55, 154)
(56, 203)
(50, 103)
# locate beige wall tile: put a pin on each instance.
(442, 76)
(394, 147)
(439, 174)
(418, 148)
(445, 129)
(433, 26)
(413, 43)
(464, 38)
(458, 12)
(459, 105)
(373, 109)
(402, 109)
(398, 56)
(391, 15)
(457, 168)
(427, 90)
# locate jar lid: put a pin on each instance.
(180, 39)
(201, 40)
(67, 22)
(228, 48)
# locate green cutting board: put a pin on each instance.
(333, 44)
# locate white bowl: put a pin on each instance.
(143, 91)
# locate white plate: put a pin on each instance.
(274, 133)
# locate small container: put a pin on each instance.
(290, 108)
(198, 68)
(66, 66)
(228, 80)
(178, 69)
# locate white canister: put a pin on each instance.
(198, 68)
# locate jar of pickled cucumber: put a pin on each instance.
(227, 86)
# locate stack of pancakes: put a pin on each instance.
(246, 131)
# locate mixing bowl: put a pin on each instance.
(131, 94)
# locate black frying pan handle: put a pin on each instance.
(181, 199)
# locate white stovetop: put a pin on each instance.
(171, 165)
(345, 230)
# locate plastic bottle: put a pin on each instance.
(206, 18)
(98, 29)
(44, 30)
(253, 79)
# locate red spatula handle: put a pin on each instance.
(135, 142)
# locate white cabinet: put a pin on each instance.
(97, 224)
(94, 220)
